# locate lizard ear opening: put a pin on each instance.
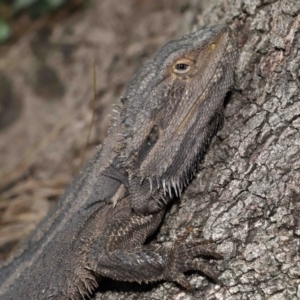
(153, 136)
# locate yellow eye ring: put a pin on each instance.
(182, 68)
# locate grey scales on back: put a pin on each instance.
(171, 110)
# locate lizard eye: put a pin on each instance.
(182, 66)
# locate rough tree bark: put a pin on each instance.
(246, 197)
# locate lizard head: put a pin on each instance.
(172, 109)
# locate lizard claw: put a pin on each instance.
(182, 259)
(181, 280)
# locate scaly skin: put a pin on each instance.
(171, 110)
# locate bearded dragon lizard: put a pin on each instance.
(171, 110)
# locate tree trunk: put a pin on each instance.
(245, 197)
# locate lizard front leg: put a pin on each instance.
(119, 252)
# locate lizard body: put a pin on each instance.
(171, 110)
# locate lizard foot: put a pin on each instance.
(182, 259)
